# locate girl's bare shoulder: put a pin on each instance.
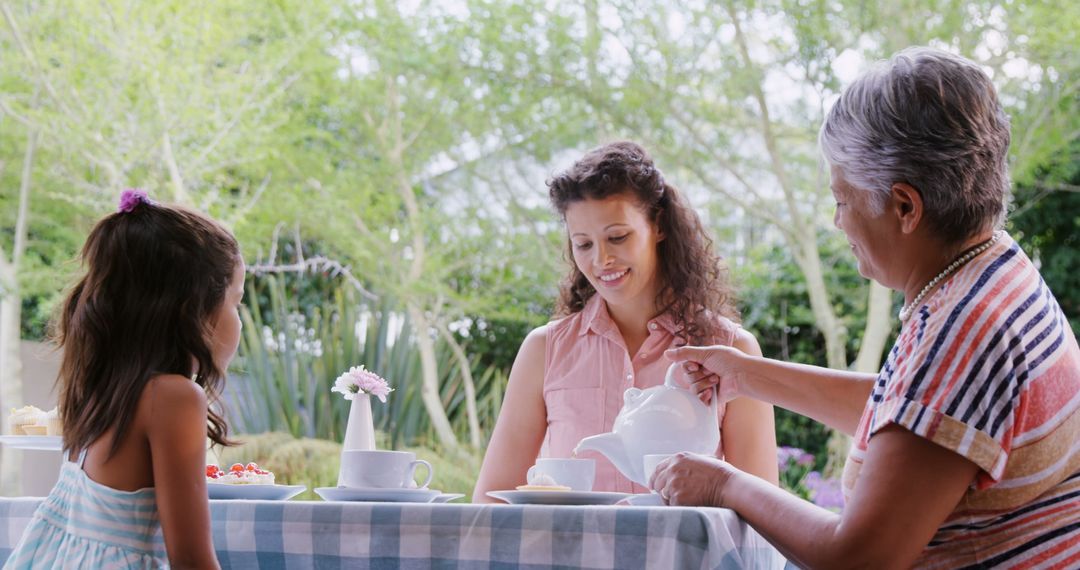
(170, 397)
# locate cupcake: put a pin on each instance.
(24, 416)
(53, 426)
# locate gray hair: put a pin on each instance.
(930, 119)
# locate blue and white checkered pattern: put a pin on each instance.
(315, 534)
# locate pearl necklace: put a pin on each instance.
(905, 311)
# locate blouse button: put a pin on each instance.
(652, 326)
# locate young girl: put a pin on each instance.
(146, 334)
(644, 279)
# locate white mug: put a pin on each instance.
(378, 469)
(578, 474)
(651, 461)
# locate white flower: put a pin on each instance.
(358, 380)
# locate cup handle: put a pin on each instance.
(412, 472)
(530, 474)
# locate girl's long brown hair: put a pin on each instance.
(694, 282)
(154, 277)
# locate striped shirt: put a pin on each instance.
(989, 368)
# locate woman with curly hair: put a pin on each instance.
(644, 279)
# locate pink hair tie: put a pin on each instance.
(132, 197)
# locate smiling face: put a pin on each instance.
(868, 232)
(614, 245)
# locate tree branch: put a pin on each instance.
(312, 264)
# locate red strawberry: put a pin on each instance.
(236, 467)
(252, 467)
(212, 470)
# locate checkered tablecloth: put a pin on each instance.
(315, 534)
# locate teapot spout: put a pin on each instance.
(611, 446)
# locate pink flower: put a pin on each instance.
(358, 380)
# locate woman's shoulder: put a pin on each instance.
(726, 331)
(537, 336)
(745, 341)
(566, 328)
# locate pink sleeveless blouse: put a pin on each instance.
(587, 369)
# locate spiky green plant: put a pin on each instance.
(289, 358)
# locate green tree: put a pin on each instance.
(1046, 220)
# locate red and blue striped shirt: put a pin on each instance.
(988, 367)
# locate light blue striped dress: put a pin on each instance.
(84, 524)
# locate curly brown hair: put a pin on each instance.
(694, 280)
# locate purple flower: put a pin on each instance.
(130, 198)
(358, 380)
(824, 492)
(785, 455)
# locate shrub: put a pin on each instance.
(303, 461)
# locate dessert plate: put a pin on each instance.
(558, 497)
(254, 492)
(37, 442)
(447, 497)
(377, 495)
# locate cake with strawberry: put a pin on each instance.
(239, 474)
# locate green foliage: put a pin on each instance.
(793, 430)
(315, 462)
(453, 474)
(774, 300)
(290, 355)
(294, 461)
(411, 144)
(1046, 221)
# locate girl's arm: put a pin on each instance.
(522, 422)
(749, 430)
(906, 488)
(177, 435)
(832, 397)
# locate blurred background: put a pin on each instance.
(383, 164)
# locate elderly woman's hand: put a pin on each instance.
(709, 366)
(692, 480)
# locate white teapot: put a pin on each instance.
(663, 419)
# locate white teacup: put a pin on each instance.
(381, 469)
(578, 474)
(651, 461)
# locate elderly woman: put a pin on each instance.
(967, 443)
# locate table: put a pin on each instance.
(317, 534)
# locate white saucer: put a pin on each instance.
(377, 495)
(558, 497)
(254, 492)
(645, 500)
(35, 442)
(447, 497)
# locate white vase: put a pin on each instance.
(360, 431)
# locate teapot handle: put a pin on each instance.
(669, 381)
(669, 378)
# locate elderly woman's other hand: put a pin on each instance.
(711, 366)
(692, 480)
